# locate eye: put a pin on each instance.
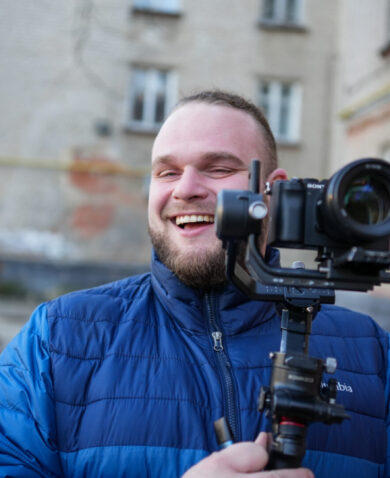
(220, 171)
(167, 174)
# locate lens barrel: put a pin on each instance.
(355, 205)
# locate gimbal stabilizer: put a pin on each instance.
(297, 395)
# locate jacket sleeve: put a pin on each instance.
(27, 415)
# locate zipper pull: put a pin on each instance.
(223, 433)
(217, 337)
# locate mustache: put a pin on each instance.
(198, 207)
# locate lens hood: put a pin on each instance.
(355, 203)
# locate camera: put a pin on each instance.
(351, 208)
(345, 218)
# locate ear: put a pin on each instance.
(277, 174)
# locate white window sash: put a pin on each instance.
(151, 88)
(294, 127)
(158, 5)
(171, 92)
(280, 12)
(300, 12)
(274, 103)
(292, 108)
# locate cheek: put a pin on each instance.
(153, 207)
(157, 199)
(239, 181)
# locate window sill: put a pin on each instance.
(284, 27)
(286, 144)
(146, 130)
(155, 12)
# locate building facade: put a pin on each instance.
(85, 86)
(362, 98)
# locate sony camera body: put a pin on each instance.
(345, 218)
(351, 208)
(297, 219)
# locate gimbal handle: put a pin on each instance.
(296, 396)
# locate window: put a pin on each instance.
(151, 95)
(163, 6)
(281, 104)
(282, 12)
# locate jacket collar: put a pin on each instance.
(187, 306)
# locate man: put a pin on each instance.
(128, 378)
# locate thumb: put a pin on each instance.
(263, 439)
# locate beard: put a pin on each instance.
(200, 270)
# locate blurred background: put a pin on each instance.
(85, 85)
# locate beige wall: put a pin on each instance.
(65, 66)
(220, 44)
(362, 122)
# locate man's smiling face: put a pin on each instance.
(201, 149)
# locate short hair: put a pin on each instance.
(225, 98)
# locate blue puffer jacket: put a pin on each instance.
(126, 380)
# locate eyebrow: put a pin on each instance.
(210, 156)
(224, 155)
(162, 160)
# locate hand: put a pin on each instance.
(240, 459)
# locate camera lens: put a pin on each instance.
(356, 201)
(366, 200)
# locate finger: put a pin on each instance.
(286, 473)
(295, 473)
(263, 439)
(245, 457)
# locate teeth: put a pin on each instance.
(193, 218)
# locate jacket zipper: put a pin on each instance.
(224, 367)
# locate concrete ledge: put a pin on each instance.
(43, 279)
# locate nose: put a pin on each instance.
(190, 185)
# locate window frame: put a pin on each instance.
(280, 19)
(161, 7)
(149, 93)
(291, 122)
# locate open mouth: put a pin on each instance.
(192, 220)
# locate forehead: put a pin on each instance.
(202, 128)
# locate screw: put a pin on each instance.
(330, 365)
